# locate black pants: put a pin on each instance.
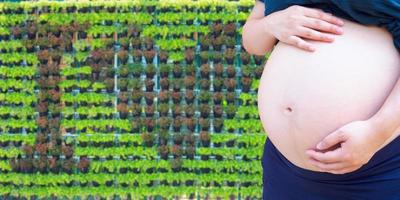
(379, 179)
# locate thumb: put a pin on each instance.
(331, 140)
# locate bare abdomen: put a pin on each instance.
(304, 96)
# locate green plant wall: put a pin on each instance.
(128, 100)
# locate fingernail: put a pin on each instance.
(331, 38)
(319, 146)
(311, 48)
(341, 22)
(339, 30)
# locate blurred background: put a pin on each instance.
(136, 99)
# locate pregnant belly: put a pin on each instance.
(304, 96)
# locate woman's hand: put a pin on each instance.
(355, 142)
(296, 22)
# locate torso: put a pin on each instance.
(304, 96)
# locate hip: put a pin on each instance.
(379, 178)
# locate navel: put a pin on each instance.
(288, 110)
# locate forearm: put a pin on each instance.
(257, 40)
(387, 119)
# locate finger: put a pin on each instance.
(332, 139)
(313, 157)
(344, 170)
(326, 157)
(319, 14)
(329, 166)
(318, 24)
(297, 41)
(314, 35)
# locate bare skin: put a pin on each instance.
(326, 95)
(290, 26)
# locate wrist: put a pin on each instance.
(382, 129)
(267, 26)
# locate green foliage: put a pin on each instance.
(251, 111)
(20, 112)
(86, 97)
(11, 45)
(172, 38)
(68, 71)
(98, 30)
(27, 86)
(56, 18)
(164, 31)
(13, 19)
(101, 124)
(5, 166)
(71, 83)
(17, 98)
(10, 152)
(123, 152)
(175, 44)
(17, 123)
(18, 72)
(4, 31)
(30, 58)
(231, 153)
(248, 125)
(176, 56)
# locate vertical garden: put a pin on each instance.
(128, 100)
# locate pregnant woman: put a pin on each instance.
(329, 98)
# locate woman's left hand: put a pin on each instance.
(358, 140)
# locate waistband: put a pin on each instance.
(383, 161)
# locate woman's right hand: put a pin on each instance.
(295, 23)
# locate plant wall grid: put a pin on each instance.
(128, 99)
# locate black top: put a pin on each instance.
(383, 13)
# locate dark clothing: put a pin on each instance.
(383, 13)
(379, 179)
